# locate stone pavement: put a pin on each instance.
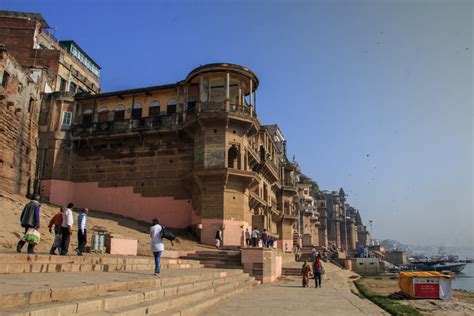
(287, 297)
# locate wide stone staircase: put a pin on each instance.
(222, 259)
(40, 263)
(128, 286)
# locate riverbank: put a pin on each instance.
(465, 279)
(385, 288)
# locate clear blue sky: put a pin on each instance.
(343, 79)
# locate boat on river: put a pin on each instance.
(439, 266)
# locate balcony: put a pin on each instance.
(220, 107)
(169, 122)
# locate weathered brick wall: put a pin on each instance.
(17, 150)
(19, 98)
(154, 165)
(18, 35)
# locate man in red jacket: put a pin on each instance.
(56, 221)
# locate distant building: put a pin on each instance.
(396, 257)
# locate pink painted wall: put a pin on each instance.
(120, 200)
(126, 247)
(233, 232)
(256, 255)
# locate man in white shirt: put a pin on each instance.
(314, 253)
(157, 245)
(255, 235)
(66, 228)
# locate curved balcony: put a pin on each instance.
(218, 107)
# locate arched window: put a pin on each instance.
(103, 114)
(233, 157)
(171, 107)
(191, 103)
(87, 117)
(119, 113)
(154, 110)
(137, 111)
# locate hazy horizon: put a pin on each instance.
(372, 96)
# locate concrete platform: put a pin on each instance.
(288, 297)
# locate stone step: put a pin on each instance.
(222, 265)
(161, 306)
(111, 302)
(76, 286)
(21, 263)
(224, 253)
(72, 267)
(291, 271)
(198, 306)
(213, 258)
(90, 259)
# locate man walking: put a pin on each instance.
(82, 231)
(66, 229)
(56, 221)
(218, 238)
(265, 238)
(255, 234)
(247, 237)
(318, 271)
(157, 245)
(30, 218)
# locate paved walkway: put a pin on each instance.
(287, 297)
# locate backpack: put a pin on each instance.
(166, 234)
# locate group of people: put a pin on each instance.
(316, 269)
(62, 223)
(252, 239)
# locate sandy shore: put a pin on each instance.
(461, 304)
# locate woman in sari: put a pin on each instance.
(305, 271)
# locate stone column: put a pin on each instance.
(177, 105)
(240, 95)
(209, 90)
(255, 101)
(250, 97)
(227, 91)
(186, 97)
(201, 89)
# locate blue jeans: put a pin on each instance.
(157, 255)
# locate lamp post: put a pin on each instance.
(345, 229)
(371, 233)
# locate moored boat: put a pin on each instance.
(455, 267)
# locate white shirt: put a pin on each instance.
(68, 219)
(255, 233)
(156, 242)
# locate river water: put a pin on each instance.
(465, 279)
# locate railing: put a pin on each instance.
(145, 123)
(210, 107)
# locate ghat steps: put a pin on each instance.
(39, 263)
(222, 259)
(179, 290)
